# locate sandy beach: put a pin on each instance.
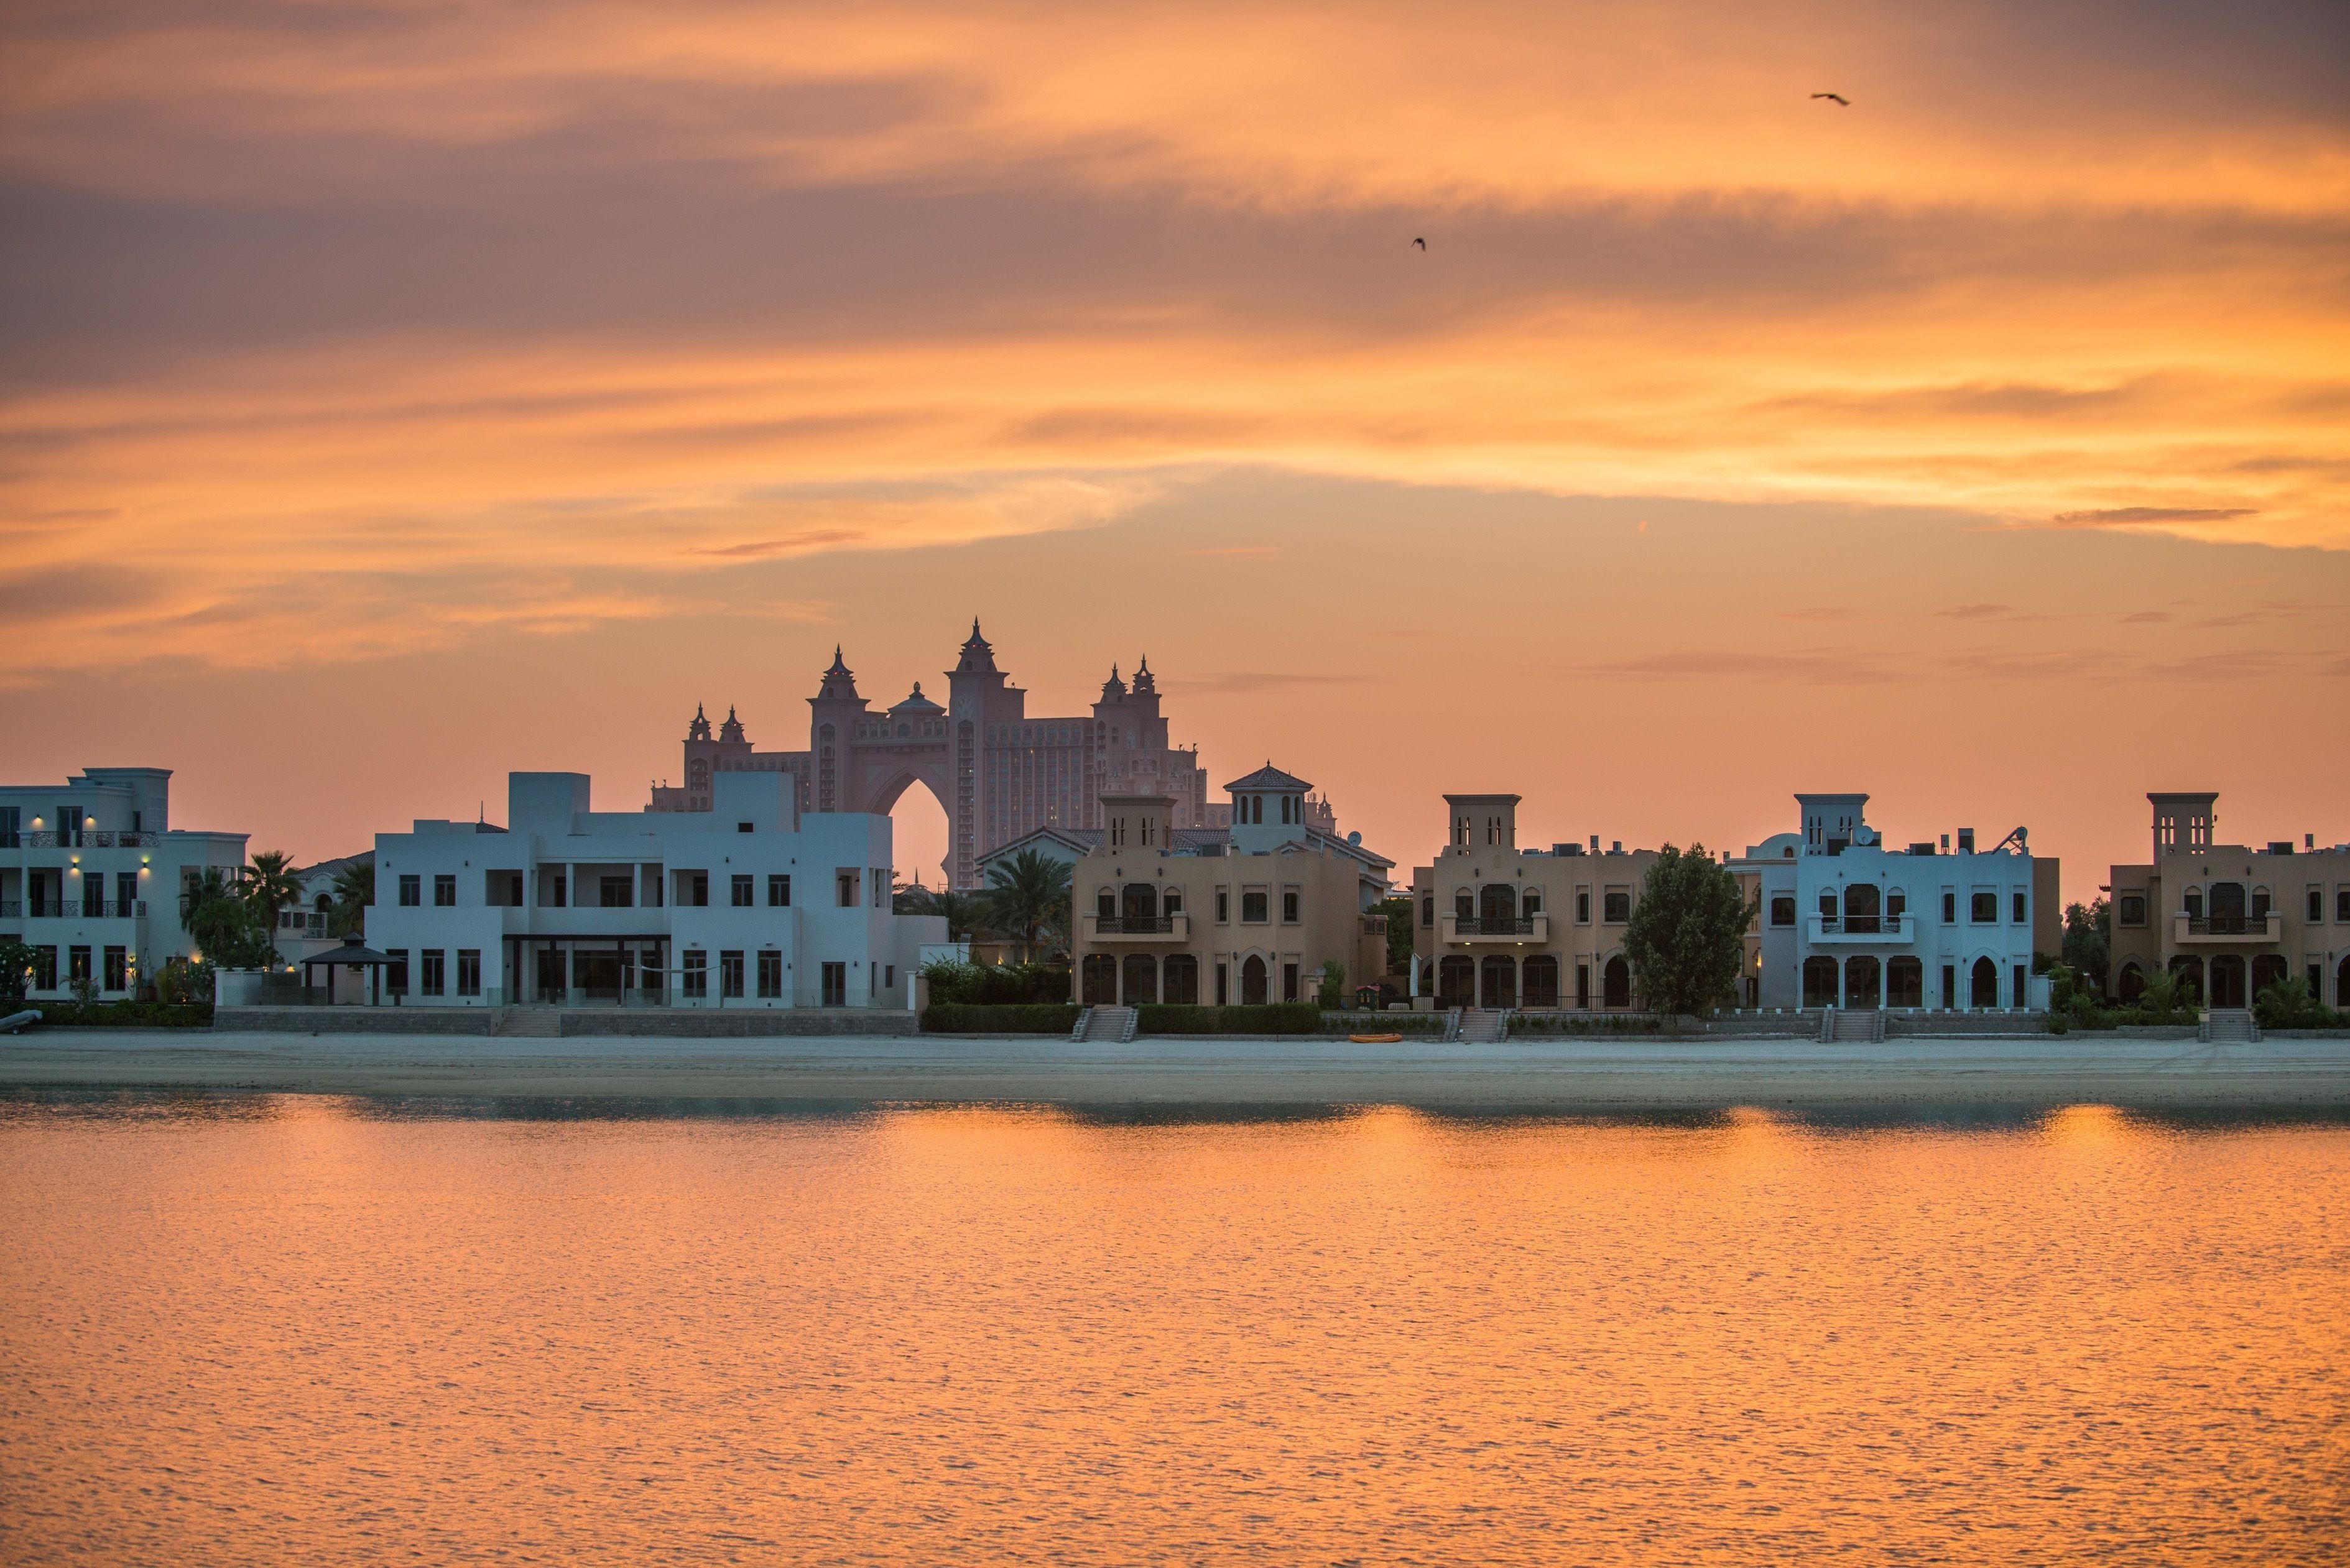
(1519, 1076)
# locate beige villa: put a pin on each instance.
(1500, 926)
(2230, 919)
(1246, 914)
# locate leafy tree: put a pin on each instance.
(271, 888)
(1333, 990)
(1028, 895)
(2289, 1004)
(2162, 996)
(16, 960)
(185, 980)
(1398, 916)
(354, 891)
(224, 926)
(2088, 942)
(1684, 938)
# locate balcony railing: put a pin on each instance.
(2266, 928)
(1495, 928)
(303, 923)
(1132, 925)
(1874, 927)
(89, 838)
(86, 909)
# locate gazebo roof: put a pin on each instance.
(354, 951)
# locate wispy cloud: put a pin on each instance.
(2136, 516)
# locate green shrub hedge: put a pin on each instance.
(1605, 1023)
(1001, 1018)
(1273, 1018)
(123, 1015)
(1343, 1023)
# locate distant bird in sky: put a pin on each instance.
(1421, 244)
(1835, 97)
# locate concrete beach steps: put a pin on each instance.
(530, 1024)
(1115, 1024)
(1484, 1025)
(1844, 1024)
(2230, 1026)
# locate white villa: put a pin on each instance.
(1847, 921)
(93, 877)
(747, 904)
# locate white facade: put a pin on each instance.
(1847, 921)
(92, 874)
(747, 905)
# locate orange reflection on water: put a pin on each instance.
(329, 1333)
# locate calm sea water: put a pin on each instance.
(294, 1329)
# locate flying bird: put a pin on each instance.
(1835, 97)
(1421, 244)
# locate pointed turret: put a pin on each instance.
(1113, 688)
(700, 729)
(978, 656)
(839, 682)
(1145, 683)
(733, 729)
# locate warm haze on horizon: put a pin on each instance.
(401, 394)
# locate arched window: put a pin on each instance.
(2225, 904)
(1986, 983)
(325, 905)
(1141, 980)
(1099, 980)
(1456, 981)
(1819, 982)
(1497, 980)
(1140, 901)
(1860, 908)
(2268, 969)
(1541, 981)
(1497, 903)
(2130, 984)
(1904, 982)
(1105, 903)
(1253, 981)
(1615, 984)
(1182, 980)
(1530, 903)
(1464, 904)
(1860, 976)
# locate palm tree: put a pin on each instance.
(221, 922)
(1027, 895)
(354, 891)
(273, 886)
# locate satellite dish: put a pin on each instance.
(1864, 836)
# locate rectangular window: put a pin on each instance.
(1619, 906)
(444, 892)
(2342, 910)
(779, 892)
(395, 973)
(741, 828)
(836, 985)
(469, 972)
(2130, 910)
(742, 890)
(1782, 911)
(562, 890)
(890, 975)
(1253, 906)
(45, 967)
(2316, 905)
(1583, 988)
(1950, 986)
(695, 886)
(2022, 907)
(411, 891)
(1289, 982)
(613, 892)
(1289, 902)
(126, 893)
(12, 821)
(1223, 906)
(1949, 908)
(435, 962)
(1223, 986)
(2015, 997)
(1427, 909)
(730, 974)
(77, 965)
(694, 980)
(1986, 908)
(117, 969)
(770, 973)
(1583, 906)
(847, 889)
(652, 886)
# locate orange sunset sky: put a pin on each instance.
(399, 393)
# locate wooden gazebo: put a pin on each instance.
(355, 954)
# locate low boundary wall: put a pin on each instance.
(688, 1024)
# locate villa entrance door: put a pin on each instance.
(2228, 980)
(596, 974)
